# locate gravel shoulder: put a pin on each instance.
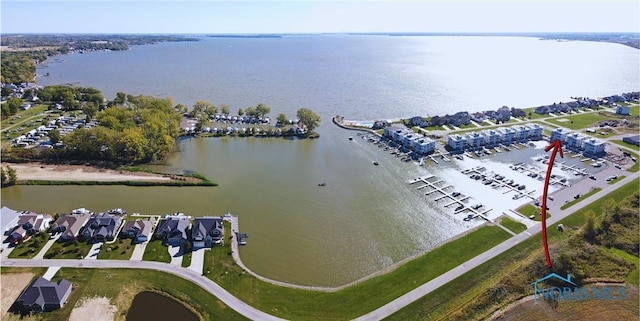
(37, 171)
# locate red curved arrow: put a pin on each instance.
(557, 146)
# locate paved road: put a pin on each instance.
(399, 303)
(213, 288)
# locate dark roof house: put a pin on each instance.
(42, 295)
(206, 232)
(100, 228)
(173, 230)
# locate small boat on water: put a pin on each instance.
(322, 184)
(350, 137)
(459, 208)
(375, 162)
(421, 163)
(596, 164)
(455, 194)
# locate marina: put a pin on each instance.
(455, 197)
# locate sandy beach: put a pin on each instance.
(37, 171)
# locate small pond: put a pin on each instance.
(153, 306)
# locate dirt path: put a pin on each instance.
(36, 171)
(95, 309)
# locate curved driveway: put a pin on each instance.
(378, 314)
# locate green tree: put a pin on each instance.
(12, 176)
(182, 108)
(240, 112)
(590, 228)
(14, 104)
(120, 99)
(262, 110)
(203, 106)
(203, 121)
(250, 112)
(5, 178)
(54, 136)
(90, 109)
(309, 119)
(281, 120)
(224, 109)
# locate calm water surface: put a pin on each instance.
(367, 217)
(154, 306)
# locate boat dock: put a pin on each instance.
(497, 181)
(456, 198)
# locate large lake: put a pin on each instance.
(367, 217)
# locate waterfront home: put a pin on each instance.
(522, 133)
(507, 134)
(407, 139)
(206, 232)
(475, 140)
(559, 134)
(574, 141)
(380, 124)
(456, 142)
(418, 121)
(623, 110)
(172, 230)
(8, 219)
(491, 137)
(594, 147)
(535, 131)
(68, 225)
(395, 132)
(139, 230)
(423, 145)
(100, 228)
(43, 295)
(28, 224)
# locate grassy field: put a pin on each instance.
(31, 247)
(155, 251)
(121, 285)
(186, 259)
(627, 145)
(446, 302)
(72, 250)
(118, 250)
(515, 227)
(575, 201)
(580, 121)
(613, 181)
(528, 210)
(530, 112)
(295, 304)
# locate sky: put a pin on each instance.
(212, 16)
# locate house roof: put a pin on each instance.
(72, 222)
(203, 225)
(101, 225)
(8, 218)
(41, 292)
(173, 226)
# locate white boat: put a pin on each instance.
(596, 164)
(421, 163)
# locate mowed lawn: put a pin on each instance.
(579, 121)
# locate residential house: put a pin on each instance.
(139, 230)
(574, 141)
(69, 225)
(475, 140)
(423, 145)
(594, 147)
(491, 137)
(43, 295)
(100, 228)
(28, 224)
(395, 132)
(206, 232)
(507, 135)
(456, 142)
(542, 110)
(407, 139)
(559, 134)
(380, 124)
(623, 110)
(535, 131)
(172, 230)
(8, 219)
(418, 121)
(522, 133)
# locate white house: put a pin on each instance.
(535, 131)
(491, 137)
(475, 140)
(456, 142)
(574, 141)
(522, 133)
(507, 135)
(594, 147)
(559, 134)
(423, 145)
